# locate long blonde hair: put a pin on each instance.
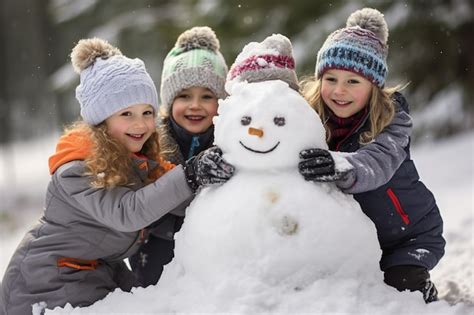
(110, 163)
(381, 107)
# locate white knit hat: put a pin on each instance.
(109, 81)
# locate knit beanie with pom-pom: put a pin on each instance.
(109, 81)
(194, 61)
(271, 59)
(361, 47)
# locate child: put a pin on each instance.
(364, 117)
(108, 183)
(193, 78)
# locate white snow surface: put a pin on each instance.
(269, 242)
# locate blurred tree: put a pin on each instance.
(25, 97)
(4, 109)
(430, 47)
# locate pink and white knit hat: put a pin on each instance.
(272, 59)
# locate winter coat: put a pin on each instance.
(387, 186)
(75, 252)
(179, 145)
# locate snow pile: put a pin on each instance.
(267, 241)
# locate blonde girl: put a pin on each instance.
(371, 121)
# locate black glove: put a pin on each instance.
(207, 168)
(318, 165)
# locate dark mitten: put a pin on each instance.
(208, 168)
(318, 165)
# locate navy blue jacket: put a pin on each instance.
(407, 219)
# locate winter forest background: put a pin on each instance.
(431, 48)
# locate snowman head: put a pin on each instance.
(265, 125)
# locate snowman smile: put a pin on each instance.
(258, 151)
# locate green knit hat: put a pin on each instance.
(194, 61)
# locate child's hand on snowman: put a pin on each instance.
(208, 168)
(318, 165)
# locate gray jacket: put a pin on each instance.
(81, 222)
(376, 163)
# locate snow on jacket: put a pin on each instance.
(75, 252)
(386, 184)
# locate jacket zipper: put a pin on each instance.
(398, 206)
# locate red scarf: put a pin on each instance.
(342, 128)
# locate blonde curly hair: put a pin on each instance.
(381, 107)
(110, 163)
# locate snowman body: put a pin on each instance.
(267, 223)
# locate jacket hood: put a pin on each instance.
(71, 146)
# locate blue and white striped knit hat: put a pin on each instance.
(109, 81)
(361, 47)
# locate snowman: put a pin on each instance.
(267, 241)
(267, 224)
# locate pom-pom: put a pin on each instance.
(199, 37)
(88, 50)
(372, 20)
(280, 43)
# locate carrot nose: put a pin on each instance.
(256, 132)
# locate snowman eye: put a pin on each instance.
(279, 121)
(245, 121)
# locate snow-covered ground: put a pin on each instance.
(446, 167)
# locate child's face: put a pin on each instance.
(345, 92)
(194, 108)
(132, 126)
